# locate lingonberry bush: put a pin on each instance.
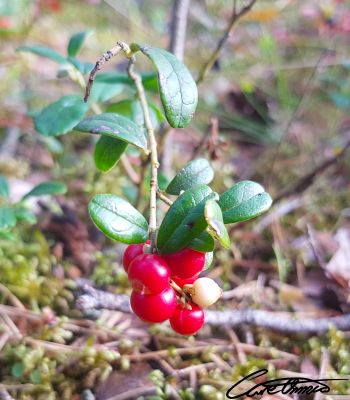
(164, 259)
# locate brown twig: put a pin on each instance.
(306, 181)
(106, 57)
(216, 53)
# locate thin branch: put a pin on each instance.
(106, 57)
(230, 318)
(78, 77)
(153, 149)
(270, 320)
(164, 198)
(129, 170)
(306, 181)
(216, 53)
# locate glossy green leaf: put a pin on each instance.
(76, 42)
(196, 172)
(7, 218)
(108, 152)
(216, 227)
(44, 51)
(184, 219)
(4, 187)
(132, 109)
(46, 188)
(244, 201)
(60, 117)
(118, 219)
(204, 242)
(178, 90)
(115, 126)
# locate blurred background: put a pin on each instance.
(274, 109)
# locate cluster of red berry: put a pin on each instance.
(153, 277)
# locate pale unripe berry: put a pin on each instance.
(205, 292)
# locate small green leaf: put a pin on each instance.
(108, 152)
(4, 187)
(184, 219)
(46, 188)
(204, 242)
(115, 126)
(216, 227)
(178, 90)
(23, 214)
(118, 219)
(208, 260)
(35, 376)
(44, 51)
(7, 218)
(60, 117)
(196, 172)
(76, 42)
(17, 369)
(244, 201)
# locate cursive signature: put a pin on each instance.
(291, 385)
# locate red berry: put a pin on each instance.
(149, 273)
(154, 307)
(187, 322)
(183, 282)
(185, 263)
(131, 252)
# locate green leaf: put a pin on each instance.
(44, 51)
(7, 218)
(17, 369)
(196, 172)
(184, 219)
(149, 80)
(101, 92)
(178, 90)
(4, 187)
(132, 109)
(115, 126)
(23, 214)
(76, 42)
(216, 227)
(244, 201)
(83, 67)
(208, 260)
(46, 188)
(35, 376)
(60, 117)
(108, 152)
(118, 219)
(204, 242)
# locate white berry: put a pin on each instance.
(205, 292)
